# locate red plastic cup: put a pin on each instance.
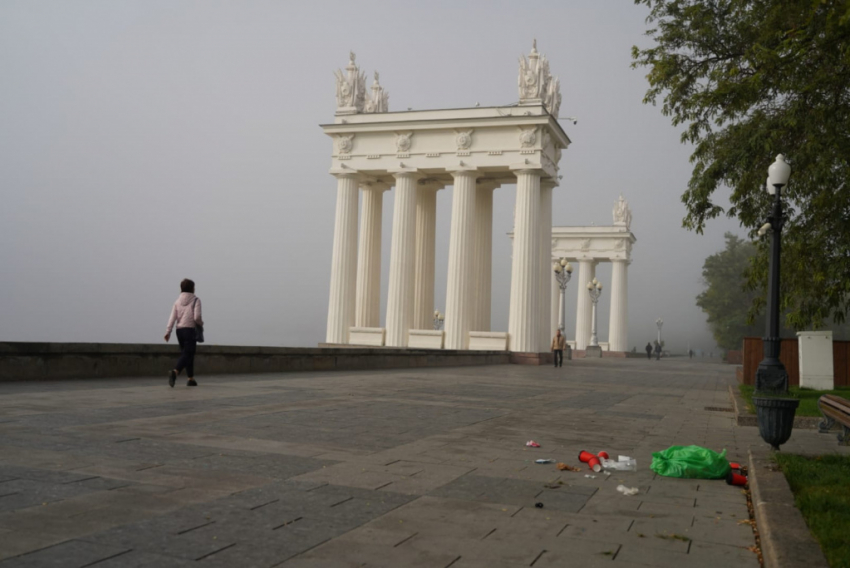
(734, 465)
(594, 464)
(603, 455)
(584, 456)
(736, 479)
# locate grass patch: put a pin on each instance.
(808, 398)
(821, 487)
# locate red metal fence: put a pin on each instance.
(788, 354)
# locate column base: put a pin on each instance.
(593, 352)
(526, 358)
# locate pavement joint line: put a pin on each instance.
(382, 486)
(450, 564)
(287, 523)
(151, 467)
(402, 541)
(263, 505)
(81, 480)
(215, 551)
(562, 529)
(127, 440)
(341, 502)
(542, 552)
(196, 528)
(107, 558)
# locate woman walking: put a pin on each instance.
(186, 313)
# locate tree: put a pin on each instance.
(725, 299)
(749, 79)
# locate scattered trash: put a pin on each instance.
(591, 460)
(603, 455)
(622, 463)
(590, 476)
(692, 462)
(627, 490)
(566, 467)
(736, 479)
(546, 460)
(550, 486)
(607, 472)
(532, 444)
(539, 505)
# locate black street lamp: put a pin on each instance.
(775, 412)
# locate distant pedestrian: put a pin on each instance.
(186, 313)
(559, 343)
(690, 353)
(648, 350)
(657, 351)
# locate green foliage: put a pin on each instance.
(808, 398)
(822, 494)
(749, 79)
(725, 300)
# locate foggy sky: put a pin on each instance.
(144, 142)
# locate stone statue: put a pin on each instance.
(379, 100)
(622, 213)
(350, 88)
(536, 84)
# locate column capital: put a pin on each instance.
(464, 171)
(430, 184)
(405, 172)
(344, 172)
(528, 167)
(549, 182)
(374, 184)
(488, 183)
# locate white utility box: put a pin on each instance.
(815, 352)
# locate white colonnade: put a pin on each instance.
(416, 153)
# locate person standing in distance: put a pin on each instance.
(559, 343)
(648, 350)
(186, 313)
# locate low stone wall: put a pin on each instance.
(44, 361)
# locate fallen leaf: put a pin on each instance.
(566, 467)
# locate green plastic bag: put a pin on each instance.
(693, 462)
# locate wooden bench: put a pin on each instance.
(835, 409)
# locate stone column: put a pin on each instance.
(618, 322)
(545, 264)
(402, 255)
(586, 273)
(344, 261)
(525, 279)
(426, 231)
(483, 257)
(459, 305)
(368, 310)
(555, 314)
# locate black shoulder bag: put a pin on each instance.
(199, 329)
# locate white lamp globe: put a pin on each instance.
(778, 172)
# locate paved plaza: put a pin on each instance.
(412, 468)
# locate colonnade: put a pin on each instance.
(356, 263)
(618, 316)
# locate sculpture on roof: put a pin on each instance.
(622, 213)
(379, 100)
(536, 84)
(350, 88)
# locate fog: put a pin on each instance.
(144, 142)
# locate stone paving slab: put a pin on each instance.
(377, 468)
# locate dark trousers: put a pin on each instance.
(649, 354)
(188, 344)
(559, 357)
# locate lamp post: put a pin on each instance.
(659, 322)
(775, 414)
(438, 320)
(594, 287)
(563, 273)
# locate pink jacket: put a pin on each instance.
(185, 313)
